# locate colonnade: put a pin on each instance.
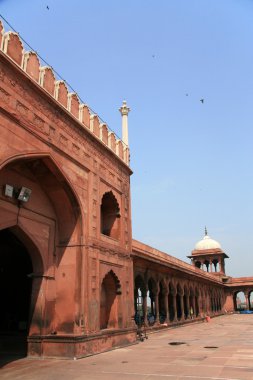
(173, 301)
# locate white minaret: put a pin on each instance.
(124, 110)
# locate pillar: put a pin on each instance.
(182, 307)
(157, 318)
(175, 307)
(246, 294)
(166, 307)
(145, 313)
(188, 305)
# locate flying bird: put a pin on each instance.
(202, 101)
(47, 7)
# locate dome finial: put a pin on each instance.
(206, 231)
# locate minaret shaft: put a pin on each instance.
(124, 110)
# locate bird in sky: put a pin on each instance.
(47, 7)
(202, 101)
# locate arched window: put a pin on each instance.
(110, 214)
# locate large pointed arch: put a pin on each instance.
(44, 170)
(47, 226)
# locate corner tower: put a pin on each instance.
(209, 256)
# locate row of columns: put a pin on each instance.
(217, 265)
(181, 307)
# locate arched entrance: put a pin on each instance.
(15, 293)
(46, 231)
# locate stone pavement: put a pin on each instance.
(221, 349)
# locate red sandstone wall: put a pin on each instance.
(75, 256)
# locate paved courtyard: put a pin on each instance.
(221, 349)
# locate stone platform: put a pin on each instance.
(221, 349)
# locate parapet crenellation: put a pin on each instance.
(12, 46)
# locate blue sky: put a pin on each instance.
(192, 162)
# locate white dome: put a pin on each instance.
(207, 243)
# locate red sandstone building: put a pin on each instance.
(73, 282)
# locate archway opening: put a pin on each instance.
(15, 293)
(139, 300)
(196, 305)
(240, 301)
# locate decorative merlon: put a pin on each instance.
(12, 46)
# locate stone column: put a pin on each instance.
(219, 263)
(175, 307)
(188, 306)
(200, 305)
(222, 266)
(194, 306)
(145, 313)
(182, 307)
(246, 294)
(135, 299)
(166, 307)
(157, 318)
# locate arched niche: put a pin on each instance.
(110, 304)
(110, 216)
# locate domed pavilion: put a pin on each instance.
(209, 256)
